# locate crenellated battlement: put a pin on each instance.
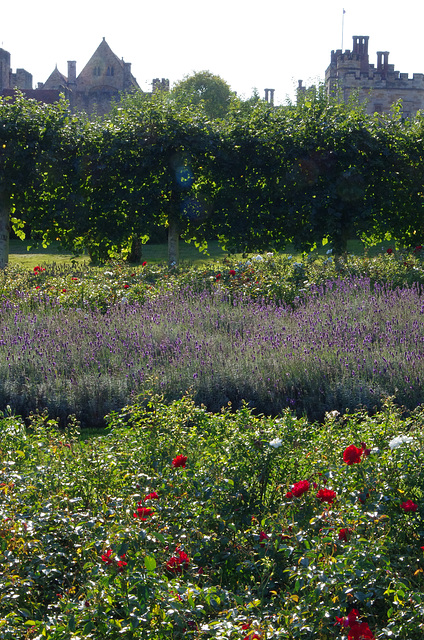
(379, 85)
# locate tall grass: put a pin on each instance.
(347, 344)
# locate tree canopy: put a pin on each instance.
(260, 177)
(204, 88)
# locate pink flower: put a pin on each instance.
(357, 630)
(348, 620)
(299, 488)
(179, 461)
(409, 506)
(352, 455)
(326, 495)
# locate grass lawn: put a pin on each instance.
(152, 253)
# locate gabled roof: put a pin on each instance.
(56, 80)
(108, 59)
(104, 52)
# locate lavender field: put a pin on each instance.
(346, 344)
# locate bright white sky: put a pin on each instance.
(265, 44)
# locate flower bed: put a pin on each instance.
(181, 523)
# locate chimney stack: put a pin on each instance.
(360, 48)
(72, 72)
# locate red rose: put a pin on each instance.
(177, 563)
(262, 537)
(144, 264)
(151, 496)
(289, 495)
(126, 286)
(299, 488)
(232, 272)
(344, 534)
(143, 513)
(179, 461)
(121, 564)
(360, 631)
(326, 495)
(107, 557)
(389, 251)
(352, 455)
(218, 277)
(409, 506)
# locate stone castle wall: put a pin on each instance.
(379, 86)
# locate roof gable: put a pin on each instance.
(105, 69)
(56, 80)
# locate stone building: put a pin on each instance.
(8, 80)
(101, 81)
(379, 86)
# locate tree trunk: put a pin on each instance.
(136, 251)
(4, 229)
(173, 243)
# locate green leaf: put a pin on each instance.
(150, 563)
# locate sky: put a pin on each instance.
(251, 45)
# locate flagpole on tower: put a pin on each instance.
(343, 26)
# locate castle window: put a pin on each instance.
(110, 71)
(96, 71)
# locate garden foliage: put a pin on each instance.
(249, 522)
(180, 523)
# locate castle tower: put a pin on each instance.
(378, 87)
(4, 69)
